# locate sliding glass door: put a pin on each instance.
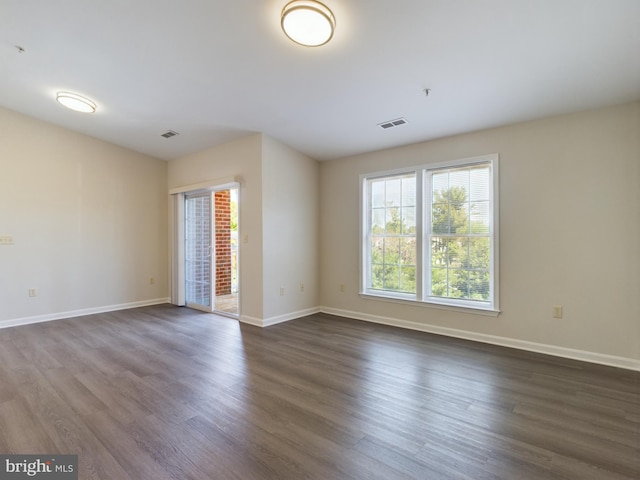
(197, 252)
(211, 251)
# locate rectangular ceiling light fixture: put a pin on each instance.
(392, 123)
(169, 134)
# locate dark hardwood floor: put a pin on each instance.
(171, 393)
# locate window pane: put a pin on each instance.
(479, 217)
(439, 284)
(460, 267)
(409, 191)
(459, 180)
(391, 277)
(377, 250)
(459, 217)
(377, 193)
(409, 220)
(479, 285)
(479, 184)
(440, 218)
(439, 183)
(377, 220)
(408, 279)
(479, 253)
(439, 251)
(393, 220)
(458, 283)
(377, 276)
(391, 250)
(458, 252)
(408, 251)
(450, 211)
(393, 194)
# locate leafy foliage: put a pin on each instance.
(459, 264)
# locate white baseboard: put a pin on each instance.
(256, 322)
(582, 355)
(266, 322)
(79, 313)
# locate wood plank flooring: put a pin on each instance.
(170, 393)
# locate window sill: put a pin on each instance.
(487, 312)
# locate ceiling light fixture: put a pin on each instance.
(76, 102)
(308, 22)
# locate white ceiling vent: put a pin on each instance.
(392, 123)
(169, 134)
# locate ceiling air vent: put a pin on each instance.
(169, 134)
(392, 123)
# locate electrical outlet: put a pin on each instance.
(33, 292)
(557, 311)
(6, 240)
(281, 290)
(301, 287)
(152, 281)
(342, 287)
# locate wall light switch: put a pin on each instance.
(557, 311)
(6, 240)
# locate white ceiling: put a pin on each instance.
(215, 70)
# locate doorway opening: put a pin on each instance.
(211, 251)
(226, 251)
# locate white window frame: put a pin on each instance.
(423, 221)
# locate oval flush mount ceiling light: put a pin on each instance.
(308, 22)
(76, 102)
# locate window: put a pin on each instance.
(393, 233)
(430, 234)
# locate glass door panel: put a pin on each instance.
(198, 265)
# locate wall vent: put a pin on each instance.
(392, 123)
(169, 134)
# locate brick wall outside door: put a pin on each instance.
(222, 202)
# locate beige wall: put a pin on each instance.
(290, 223)
(279, 212)
(241, 158)
(569, 231)
(89, 222)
